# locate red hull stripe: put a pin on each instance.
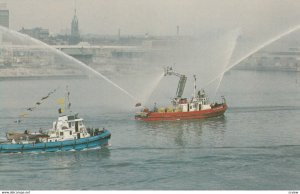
(154, 116)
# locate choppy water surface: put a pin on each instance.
(256, 145)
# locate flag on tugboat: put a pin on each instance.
(24, 114)
(30, 109)
(43, 98)
(17, 121)
(61, 101)
(61, 110)
(64, 102)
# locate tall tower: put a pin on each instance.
(75, 36)
(4, 15)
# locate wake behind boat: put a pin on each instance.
(67, 133)
(181, 108)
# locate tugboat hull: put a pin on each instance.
(171, 116)
(67, 145)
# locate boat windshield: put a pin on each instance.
(72, 117)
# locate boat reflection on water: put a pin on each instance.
(187, 132)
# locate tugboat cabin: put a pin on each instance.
(68, 127)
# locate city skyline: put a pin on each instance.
(154, 17)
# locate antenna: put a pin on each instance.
(67, 97)
(195, 86)
(75, 6)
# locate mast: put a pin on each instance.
(195, 87)
(67, 99)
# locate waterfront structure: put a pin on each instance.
(39, 33)
(279, 60)
(82, 53)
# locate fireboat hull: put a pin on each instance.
(78, 144)
(171, 116)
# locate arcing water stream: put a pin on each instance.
(152, 88)
(60, 53)
(230, 51)
(227, 55)
(295, 28)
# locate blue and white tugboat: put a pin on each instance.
(67, 133)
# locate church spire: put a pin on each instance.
(75, 10)
(75, 36)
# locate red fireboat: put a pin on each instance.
(198, 107)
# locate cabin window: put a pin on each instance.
(76, 126)
(70, 132)
(69, 125)
(61, 133)
(71, 117)
(73, 124)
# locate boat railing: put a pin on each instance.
(223, 99)
(96, 131)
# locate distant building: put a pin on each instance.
(4, 18)
(283, 60)
(38, 33)
(75, 36)
(82, 53)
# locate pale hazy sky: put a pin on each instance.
(158, 17)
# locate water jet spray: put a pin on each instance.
(254, 51)
(68, 57)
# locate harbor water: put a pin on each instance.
(255, 146)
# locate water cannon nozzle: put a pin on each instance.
(168, 70)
